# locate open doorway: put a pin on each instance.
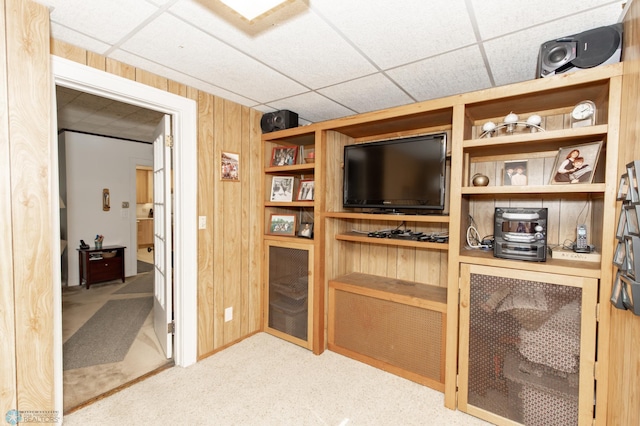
(107, 329)
(80, 77)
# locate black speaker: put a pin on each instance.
(599, 46)
(278, 120)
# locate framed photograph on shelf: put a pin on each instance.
(515, 173)
(230, 166)
(306, 230)
(306, 190)
(633, 168)
(576, 164)
(282, 224)
(284, 156)
(282, 188)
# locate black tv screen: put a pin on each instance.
(397, 174)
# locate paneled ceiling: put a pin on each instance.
(326, 59)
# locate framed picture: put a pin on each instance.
(230, 166)
(616, 292)
(632, 261)
(622, 225)
(633, 221)
(633, 169)
(575, 164)
(620, 256)
(515, 173)
(282, 224)
(306, 190)
(282, 188)
(623, 187)
(306, 230)
(284, 156)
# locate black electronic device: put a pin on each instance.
(581, 245)
(278, 120)
(520, 233)
(83, 245)
(598, 46)
(396, 175)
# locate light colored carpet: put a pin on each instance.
(108, 334)
(144, 267)
(264, 380)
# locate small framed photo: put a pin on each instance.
(616, 292)
(623, 187)
(282, 188)
(306, 230)
(576, 164)
(620, 256)
(632, 261)
(282, 224)
(230, 166)
(622, 225)
(306, 190)
(284, 156)
(515, 173)
(633, 169)
(633, 221)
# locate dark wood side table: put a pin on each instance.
(95, 267)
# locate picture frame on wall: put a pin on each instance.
(620, 256)
(622, 229)
(282, 224)
(306, 190)
(633, 168)
(633, 219)
(284, 156)
(623, 187)
(616, 292)
(282, 188)
(515, 173)
(576, 164)
(230, 166)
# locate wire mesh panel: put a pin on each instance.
(524, 349)
(289, 290)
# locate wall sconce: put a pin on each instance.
(510, 123)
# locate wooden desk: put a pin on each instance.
(93, 267)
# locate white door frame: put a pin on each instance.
(184, 111)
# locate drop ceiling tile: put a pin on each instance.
(189, 50)
(312, 107)
(449, 74)
(382, 93)
(514, 57)
(62, 33)
(498, 18)
(108, 21)
(303, 47)
(396, 33)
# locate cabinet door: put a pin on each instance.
(142, 187)
(288, 282)
(527, 346)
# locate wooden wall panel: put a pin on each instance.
(623, 369)
(29, 102)
(8, 398)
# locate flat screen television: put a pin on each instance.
(396, 175)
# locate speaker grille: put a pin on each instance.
(403, 336)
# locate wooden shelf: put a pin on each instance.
(392, 217)
(285, 204)
(539, 138)
(535, 189)
(291, 170)
(362, 238)
(565, 267)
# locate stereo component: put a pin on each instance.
(599, 46)
(520, 233)
(278, 120)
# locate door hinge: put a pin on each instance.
(169, 141)
(171, 327)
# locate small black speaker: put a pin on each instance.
(278, 120)
(599, 46)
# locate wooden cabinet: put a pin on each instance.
(103, 264)
(144, 186)
(145, 233)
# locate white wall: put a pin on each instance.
(94, 163)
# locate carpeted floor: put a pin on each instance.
(108, 335)
(264, 381)
(144, 267)
(142, 283)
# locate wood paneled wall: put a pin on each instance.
(624, 351)
(26, 230)
(229, 255)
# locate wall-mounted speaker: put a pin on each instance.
(599, 46)
(278, 120)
